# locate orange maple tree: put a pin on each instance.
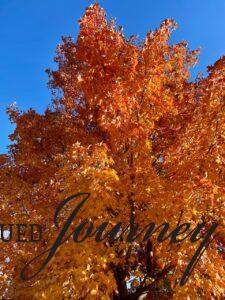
(128, 126)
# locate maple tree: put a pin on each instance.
(128, 126)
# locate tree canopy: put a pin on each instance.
(128, 126)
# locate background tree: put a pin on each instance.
(128, 126)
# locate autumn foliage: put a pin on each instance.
(127, 125)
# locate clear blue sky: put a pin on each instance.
(31, 29)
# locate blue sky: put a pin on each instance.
(31, 29)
